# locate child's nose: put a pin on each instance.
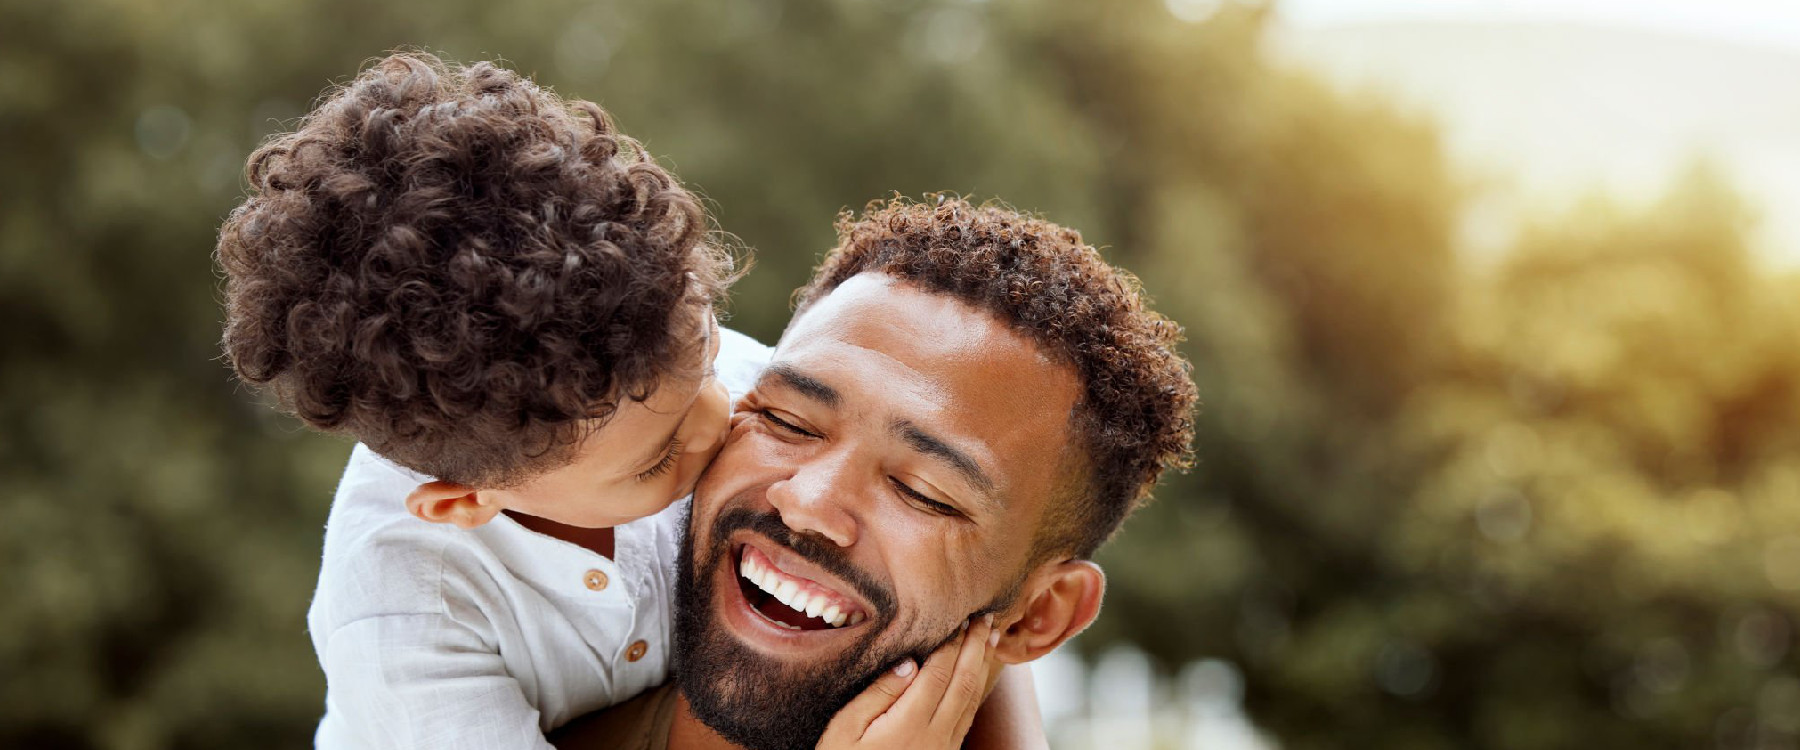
(713, 420)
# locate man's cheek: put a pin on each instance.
(937, 571)
(939, 612)
(922, 639)
(736, 467)
(771, 453)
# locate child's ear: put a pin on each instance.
(1060, 601)
(449, 502)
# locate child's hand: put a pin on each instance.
(910, 707)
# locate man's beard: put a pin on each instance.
(747, 697)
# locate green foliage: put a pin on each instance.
(1548, 503)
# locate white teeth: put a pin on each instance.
(753, 572)
(789, 593)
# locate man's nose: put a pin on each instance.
(815, 498)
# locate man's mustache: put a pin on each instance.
(814, 548)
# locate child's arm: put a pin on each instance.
(934, 706)
(422, 681)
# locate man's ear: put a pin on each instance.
(1061, 600)
(449, 502)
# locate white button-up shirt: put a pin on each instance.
(433, 636)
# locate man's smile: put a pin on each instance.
(782, 599)
(791, 600)
(794, 596)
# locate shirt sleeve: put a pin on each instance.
(424, 681)
(740, 362)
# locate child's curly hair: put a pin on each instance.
(462, 270)
(1135, 415)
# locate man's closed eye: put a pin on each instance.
(942, 509)
(783, 424)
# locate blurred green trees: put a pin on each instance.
(1548, 502)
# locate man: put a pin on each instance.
(966, 404)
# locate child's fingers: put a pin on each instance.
(853, 720)
(957, 710)
(933, 707)
(981, 677)
(920, 703)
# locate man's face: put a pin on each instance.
(887, 474)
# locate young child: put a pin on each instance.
(510, 306)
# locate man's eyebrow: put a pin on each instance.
(931, 445)
(806, 385)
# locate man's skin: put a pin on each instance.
(922, 440)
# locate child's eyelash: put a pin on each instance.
(667, 462)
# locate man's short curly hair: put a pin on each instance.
(462, 270)
(1135, 415)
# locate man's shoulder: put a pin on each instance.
(642, 723)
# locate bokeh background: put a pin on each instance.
(1494, 319)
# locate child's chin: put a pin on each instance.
(621, 520)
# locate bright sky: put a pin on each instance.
(1587, 107)
(1774, 22)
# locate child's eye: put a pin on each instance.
(666, 463)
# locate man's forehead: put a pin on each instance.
(939, 336)
(890, 317)
(897, 318)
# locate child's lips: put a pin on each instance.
(693, 482)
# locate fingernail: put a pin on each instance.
(905, 668)
(989, 619)
(994, 638)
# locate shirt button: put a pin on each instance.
(595, 580)
(636, 651)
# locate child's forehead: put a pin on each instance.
(651, 420)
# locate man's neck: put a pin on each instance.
(687, 733)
